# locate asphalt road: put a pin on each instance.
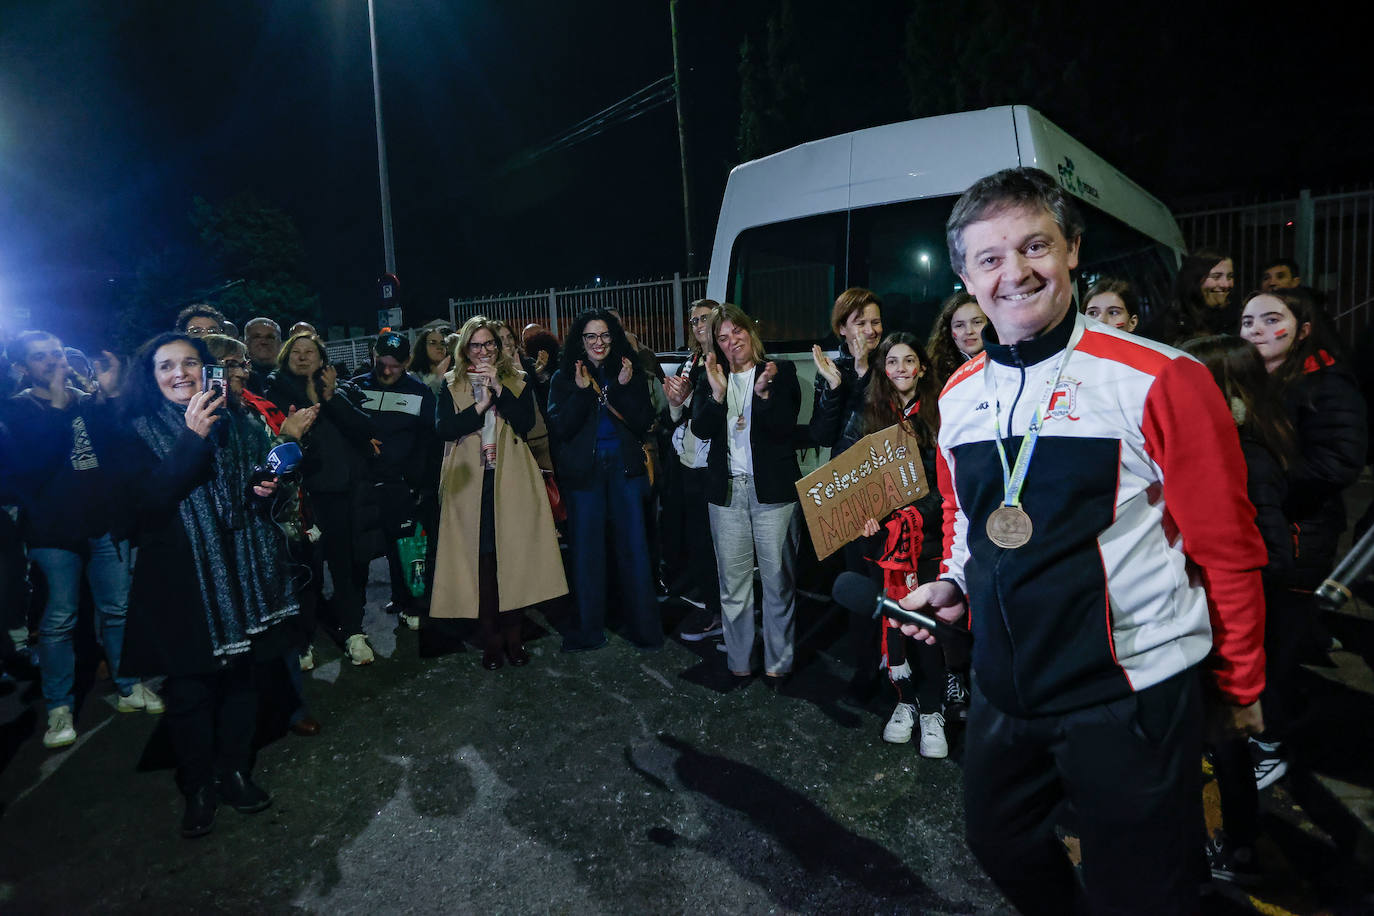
(615, 781)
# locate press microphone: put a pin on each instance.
(281, 461)
(1333, 593)
(861, 595)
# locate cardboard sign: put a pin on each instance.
(879, 473)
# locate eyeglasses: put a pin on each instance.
(234, 364)
(698, 320)
(593, 338)
(196, 330)
(484, 345)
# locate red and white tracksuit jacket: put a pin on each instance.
(1145, 557)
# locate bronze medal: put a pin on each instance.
(1009, 527)
(739, 423)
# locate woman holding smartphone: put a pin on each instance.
(498, 550)
(210, 585)
(335, 477)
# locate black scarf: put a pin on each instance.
(244, 583)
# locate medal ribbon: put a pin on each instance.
(1014, 478)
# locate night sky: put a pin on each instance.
(114, 115)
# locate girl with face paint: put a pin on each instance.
(1323, 403)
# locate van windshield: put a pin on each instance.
(787, 275)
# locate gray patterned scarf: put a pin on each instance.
(245, 586)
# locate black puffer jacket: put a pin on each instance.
(837, 415)
(338, 444)
(1266, 485)
(574, 414)
(1328, 413)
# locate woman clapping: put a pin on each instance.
(747, 407)
(498, 551)
(599, 414)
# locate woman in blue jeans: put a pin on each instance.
(599, 412)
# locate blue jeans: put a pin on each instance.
(618, 501)
(108, 569)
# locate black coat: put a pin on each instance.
(573, 418)
(1266, 485)
(61, 469)
(1328, 413)
(337, 450)
(770, 438)
(837, 415)
(167, 632)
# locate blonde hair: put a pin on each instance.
(505, 369)
(728, 311)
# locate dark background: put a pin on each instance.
(115, 117)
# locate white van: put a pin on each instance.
(868, 209)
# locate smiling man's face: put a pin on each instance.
(1017, 265)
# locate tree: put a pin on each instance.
(249, 240)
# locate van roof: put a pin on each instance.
(927, 157)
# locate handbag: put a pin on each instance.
(556, 504)
(649, 456)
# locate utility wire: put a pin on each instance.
(658, 93)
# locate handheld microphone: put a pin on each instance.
(860, 595)
(284, 458)
(1333, 593)
(281, 461)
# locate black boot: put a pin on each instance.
(239, 793)
(199, 818)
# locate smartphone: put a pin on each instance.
(212, 378)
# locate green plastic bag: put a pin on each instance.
(412, 553)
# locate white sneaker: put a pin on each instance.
(410, 620)
(933, 743)
(308, 658)
(358, 650)
(60, 731)
(141, 699)
(898, 728)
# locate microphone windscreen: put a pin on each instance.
(855, 592)
(284, 458)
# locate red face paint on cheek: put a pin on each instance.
(1281, 333)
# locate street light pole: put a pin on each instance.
(388, 241)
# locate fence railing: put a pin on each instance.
(1330, 236)
(654, 310)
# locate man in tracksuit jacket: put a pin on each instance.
(402, 411)
(1099, 584)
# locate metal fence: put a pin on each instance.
(654, 310)
(1330, 236)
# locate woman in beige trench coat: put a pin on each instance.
(497, 551)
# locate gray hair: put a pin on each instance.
(1009, 189)
(256, 321)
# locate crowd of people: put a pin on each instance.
(1178, 514)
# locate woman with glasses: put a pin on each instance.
(335, 475)
(747, 406)
(498, 550)
(286, 512)
(210, 588)
(599, 414)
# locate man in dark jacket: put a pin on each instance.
(402, 411)
(55, 452)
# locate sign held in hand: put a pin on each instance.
(879, 473)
